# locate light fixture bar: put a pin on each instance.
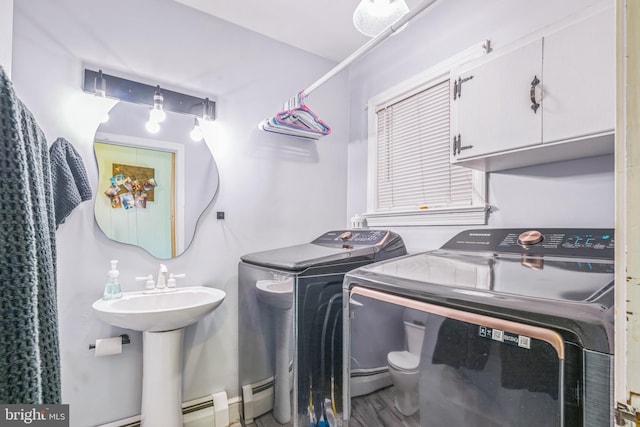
(140, 93)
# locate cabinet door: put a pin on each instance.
(579, 79)
(493, 112)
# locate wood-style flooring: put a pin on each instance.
(378, 410)
(373, 410)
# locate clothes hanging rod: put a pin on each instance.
(293, 129)
(370, 45)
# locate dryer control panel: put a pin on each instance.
(352, 237)
(571, 242)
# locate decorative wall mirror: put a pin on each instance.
(152, 188)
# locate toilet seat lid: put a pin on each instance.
(403, 360)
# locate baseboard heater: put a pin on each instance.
(365, 381)
(206, 411)
(257, 398)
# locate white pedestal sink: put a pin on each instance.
(161, 316)
(278, 295)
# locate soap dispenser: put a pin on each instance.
(112, 290)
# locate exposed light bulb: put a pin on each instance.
(100, 86)
(157, 113)
(152, 126)
(196, 132)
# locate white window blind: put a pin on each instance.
(413, 166)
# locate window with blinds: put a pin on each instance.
(411, 178)
(413, 170)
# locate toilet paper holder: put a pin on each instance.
(125, 340)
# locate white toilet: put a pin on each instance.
(403, 367)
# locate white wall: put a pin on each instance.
(577, 193)
(274, 190)
(6, 34)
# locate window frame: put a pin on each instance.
(476, 213)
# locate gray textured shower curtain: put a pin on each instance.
(29, 350)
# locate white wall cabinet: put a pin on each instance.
(550, 99)
(492, 105)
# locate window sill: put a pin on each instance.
(472, 215)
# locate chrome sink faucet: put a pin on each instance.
(162, 277)
(162, 283)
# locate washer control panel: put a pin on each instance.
(579, 242)
(352, 238)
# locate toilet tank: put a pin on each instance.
(414, 331)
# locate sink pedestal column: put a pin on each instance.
(162, 378)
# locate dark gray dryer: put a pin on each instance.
(518, 327)
(290, 323)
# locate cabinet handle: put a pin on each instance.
(532, 93)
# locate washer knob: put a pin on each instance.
(530, 237)
(346, 235)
